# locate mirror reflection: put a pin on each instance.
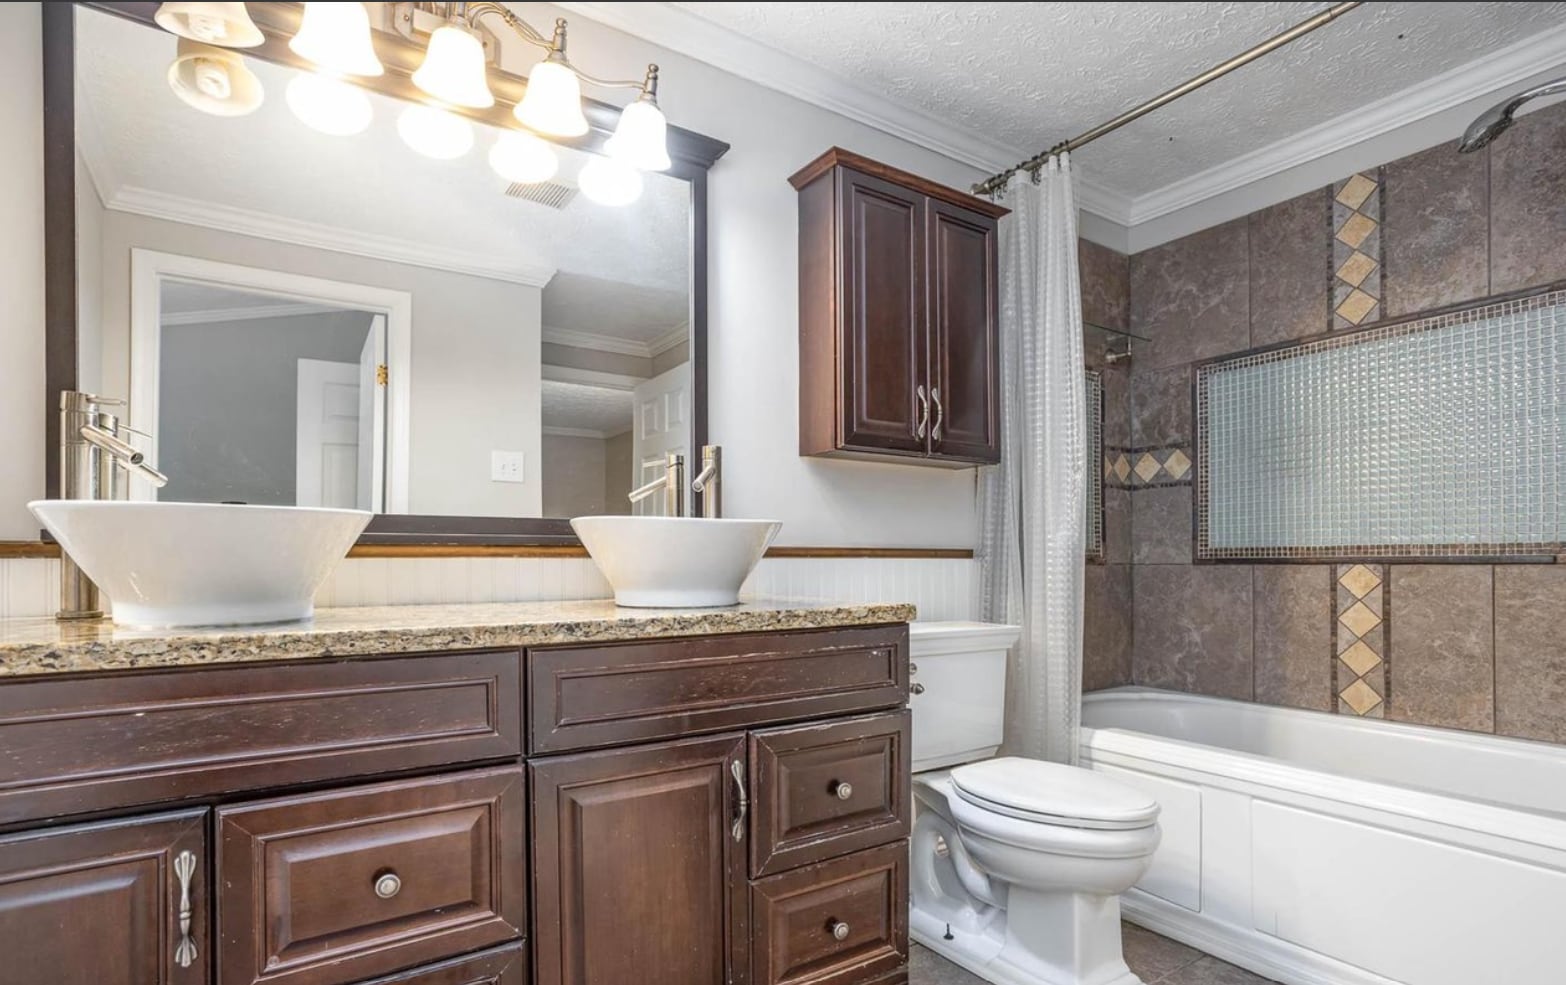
(309, 305)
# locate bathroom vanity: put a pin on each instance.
(542, 793)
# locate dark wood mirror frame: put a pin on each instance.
(693, 155)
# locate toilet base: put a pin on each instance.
(1045, 938)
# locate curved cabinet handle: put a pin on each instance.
(924, 412)
(916, 688)
(737, 768)
(185, 871)
(940, 413)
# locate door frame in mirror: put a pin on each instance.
(693, 155)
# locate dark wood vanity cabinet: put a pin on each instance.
(899, 315)
(719, 810)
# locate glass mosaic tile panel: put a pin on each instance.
(1441, 436)
(1094, 391)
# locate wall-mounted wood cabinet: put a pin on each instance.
(898, 316)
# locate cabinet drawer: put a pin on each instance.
(843, 922)
(74, 745)
(584, 697)
(334, 887)
(502, 966)
(829, 789)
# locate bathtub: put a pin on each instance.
(1322, 849)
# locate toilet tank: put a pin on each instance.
(959, 698)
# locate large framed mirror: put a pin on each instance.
(385, 319)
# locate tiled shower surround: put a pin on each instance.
(1472, 646)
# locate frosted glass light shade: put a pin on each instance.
(553, 101)
(434, 132)
(610, 182)
(523, 158)
(214, 80)
(641, 137)
(329, 105)
(453, 70)
(336, 37)
(227, 25)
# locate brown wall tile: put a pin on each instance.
(1435, 212)
(1191, 297)
(1161, 525)
(1192, 628)
(1290, 291)
(1294, 635)
(1106, 627)
(1441, 652)
(1160, 406)
(1105, 277)
(1530, 651)
(1117, 404)
(1117, 526)
(1528, 202)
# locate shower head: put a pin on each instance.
(1494, 121)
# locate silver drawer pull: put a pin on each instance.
(842, 791)
(940, 413)
(924, 412)
(185, 871)
(388, 884)
(838, 929)
(738, 769)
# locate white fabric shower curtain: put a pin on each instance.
(1033, 504)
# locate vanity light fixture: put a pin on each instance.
(214, 80)
(226, 25)
(523, 158)
(453, 71)
(329, 105)
(435, 132)
(641, 138)
(610, 181)
(336, 37)
(553, 101)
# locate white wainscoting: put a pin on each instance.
(942, 588)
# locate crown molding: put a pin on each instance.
(590, 377)
(669, 339)
(258, 312)
(298, 232)
(559, 432)
(1459, 85)
(597, 343)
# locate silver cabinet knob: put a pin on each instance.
(916, 688)
(913, 669)
(842, 791)
(838, 929)
(387, 885)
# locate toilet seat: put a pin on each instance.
(1053, 794)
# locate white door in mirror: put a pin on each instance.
(660, 562)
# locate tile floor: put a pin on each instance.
(1157, 960)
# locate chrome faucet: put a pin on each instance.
(709, 482)
(672, 484)
(92, 455)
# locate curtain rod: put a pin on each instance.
(997, 181)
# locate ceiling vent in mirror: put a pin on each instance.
(548, 193)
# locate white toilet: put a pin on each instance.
(1018, 865)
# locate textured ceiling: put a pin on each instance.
(371, 183)
(587, 408)
(600, 307)
(1027, 75)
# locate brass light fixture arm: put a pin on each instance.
(555, 45)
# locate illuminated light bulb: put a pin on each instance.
(330, 106)
(553, 101)
(214, 80)
(523, 158)
(434, 132)
(336, 37)
(610, 182)
(453, 71)
(641, 137)
(226, 25)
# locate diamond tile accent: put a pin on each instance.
(1177, 464)
(1147, 466)
(1356, 268)
(1360, 658)
(1356, 306)
(1359, 620)
(1122, 467)
(1360, 580)
(1359, 696)
(1355, 191)
(1358, 227)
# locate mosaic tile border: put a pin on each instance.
(1357, 260)
(1148, 468)
(1361, 666)
(1533, 299)
(1094, 385)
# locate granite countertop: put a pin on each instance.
(44, 646)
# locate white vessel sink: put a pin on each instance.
(660, 562)
(203, 564)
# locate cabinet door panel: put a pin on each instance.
(965, 357)
(637, 875)
(885, 348)
(100, 904)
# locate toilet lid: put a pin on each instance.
(1052, 793)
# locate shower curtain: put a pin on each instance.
(1033, 505)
